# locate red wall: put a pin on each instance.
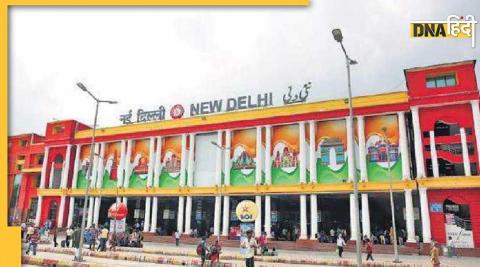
(463, 196)
(47, 201)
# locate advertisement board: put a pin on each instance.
(243, 157)
(331, 151)
(285, 150)
(171, 160)
(111, 161)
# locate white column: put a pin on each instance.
(39, 208)
(127, 165)
(97, 162)
(313, 216)
(50, 177)
(148, 200)
(93, 177)
(410, 217)
(365, 216)
(476, 124)
(217, 215)
(302, 153)
(44, 170)
(258, 221)
(353, 218)
(268, 179)
(425, 215)
(99, 182)
(63, 185)
(403, 143)
(190, 170)
(312, 152)
(146, 223)
(181, 203)
(226, 171)
(91, 204)
(156, 182)
(350, 150)
(258, 151)
(466, 159)
(361, 149)
(74, 185)
(303, 217)
(121, 165)
(218, 182)
(96, 211)
(417, 138)
(433, 154)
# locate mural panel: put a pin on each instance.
(285, 146)
(171, 159)
(243, 156)
(331, 152)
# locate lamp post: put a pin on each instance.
(392, 204)
(89, 173)
(220, 191)
(337, 35)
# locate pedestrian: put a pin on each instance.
(369, 249)
(340, 245)
(202, 250)
(177, 238)
(215, 251)
(30, 231)
(263, 242)
(249, 244)
(332, 235)
(23, 228)
(68, 237)
(451, 247)
(53, 232)
(103, 239)
(434, 255)
(34, 238)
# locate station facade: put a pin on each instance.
(294, 161)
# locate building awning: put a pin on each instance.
(32, 170)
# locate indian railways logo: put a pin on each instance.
(176, 112)
(246, 211)
(453, 27)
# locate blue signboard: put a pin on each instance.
(436, 207)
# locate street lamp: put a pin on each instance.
(337, 35)
(89, 174)
(392, 204)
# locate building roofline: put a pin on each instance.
(450, 64)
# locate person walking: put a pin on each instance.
(23, 228)
(53, 232)
(33, 242)
(103, 239)
(369, 244)
(202, 250)
(434, 255)
(249, 244)
(177, 238)
(215, 251)
(332, 235)
(30, 230)
(340, 245)
(68, 237)
(263, 243)
(451, 247)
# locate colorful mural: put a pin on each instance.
(243, 156)
(139, 158)
(84, 162)
(111, 161)
(376, 147)
(171, 161)
(285, 146)
(331, 152)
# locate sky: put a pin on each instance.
(145, 57)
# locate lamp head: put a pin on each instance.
(81, 86)
(337, 35)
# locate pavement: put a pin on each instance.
(154, 254)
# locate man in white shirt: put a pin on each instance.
(249, 244)
(340, 245)
(177, 238)
(69, 234)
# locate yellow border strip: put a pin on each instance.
(31, 170)
(234, 190)
(159, 2)
(330, 105)
(450, 182)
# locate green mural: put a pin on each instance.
(237, 177)
(279, 176)
(81, 179)
(107, 181)
(137, 182)
(377, 173)
(326, 175)
(166, 180)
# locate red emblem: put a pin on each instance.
(176, 112)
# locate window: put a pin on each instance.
(19, 167)
(441, 81)
(58, 129)
(36, 181)
(23, 143)
(40, 159)
(21, 157)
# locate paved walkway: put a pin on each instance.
(187, 253)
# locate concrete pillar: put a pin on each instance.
(39, 210)
(226, 199)
(128, 165)
(313, 179)
(417, 138)
(313, 217)
(181, 203)
(63, 185)
(410, 217)
(91, 204)
(424, 209)
(153, 224)
(403, 143)
(466, 158)
(217, 215)
(353, 218)
(303, 217)
(268, 216)
(146, 223)
(71, 208)
(362, 149)
(44, 169)
(190, 173)
(365, 216)
(96, 211)
(74, 185)
(433, 155)
(302, 153)
(50, 177)
(155, 181)
(258, 151)
(188, 215)
(121, 164)
(258, 221)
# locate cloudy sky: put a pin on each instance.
(151, 56)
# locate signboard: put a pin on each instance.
(118, 225)
(118, 212)
(246, 211)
